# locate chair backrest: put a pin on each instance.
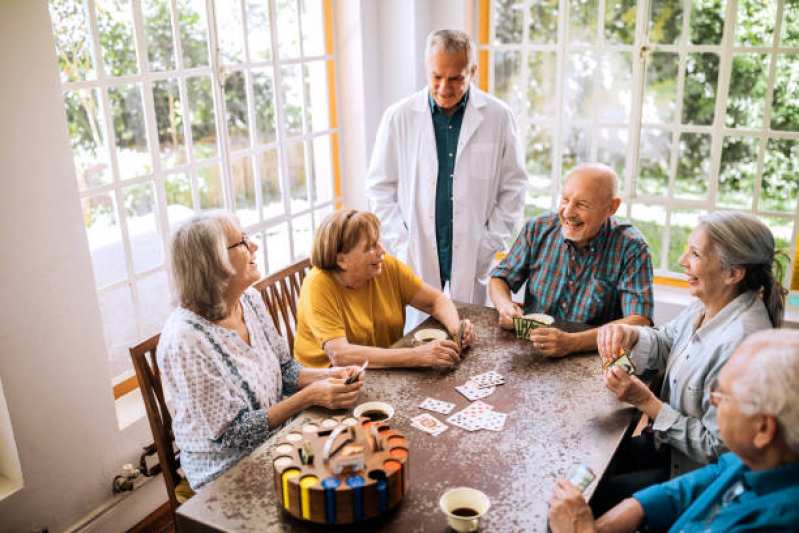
(149, 376)
(280, 292)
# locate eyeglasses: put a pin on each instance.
(245, 241)
(717, 396)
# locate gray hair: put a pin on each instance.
(199, 263)
(452, 42)
(741, 240)
(771, 384)
(601, 170)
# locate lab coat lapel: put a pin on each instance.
(471, 118)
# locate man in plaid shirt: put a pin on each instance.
(580, 265)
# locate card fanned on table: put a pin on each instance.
(428, 423)
(473, 392)
(438, 406)
(478, 415)
(487, 379)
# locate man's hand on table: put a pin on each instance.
(440, 353)
(468, 333)
(506, 313)
(551, 342)
(568, 510)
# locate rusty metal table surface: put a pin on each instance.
(559, 413)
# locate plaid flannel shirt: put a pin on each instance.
(608, 279)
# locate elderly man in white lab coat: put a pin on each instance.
(447, 175)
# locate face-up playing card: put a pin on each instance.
(477, 409)
(431, 404)
(469, 423)
(428, 424)
(473, 392)
(493, 421)
(487, 379)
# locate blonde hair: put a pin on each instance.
(340, 232)
(199, 263)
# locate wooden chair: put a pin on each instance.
(149, 376)
(280, 292)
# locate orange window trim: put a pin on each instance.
(124, 387)
(331, 98)
(795, 277)
(483, 19)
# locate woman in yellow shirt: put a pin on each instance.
(352, 303)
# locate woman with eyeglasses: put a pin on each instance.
(226, 367)
(730, 263)
(352, 303)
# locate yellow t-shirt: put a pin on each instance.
(373, 315)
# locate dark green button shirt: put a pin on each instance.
(447, 130)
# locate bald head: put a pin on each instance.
(597, 176)
(589, 199)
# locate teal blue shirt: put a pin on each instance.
(725, 497)
(447, 130)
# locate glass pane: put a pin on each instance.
(155, 301)
(119, 327)
(209, 187)
(193, 32)
(660, 93)
(612, 150)
(650, 221)
(203, 125)
(780, 183)
(789, 35)
(298, 183)
(683, 222)
(693, 166)
(105, 239)
(543, 21)
(508, 85)
(620, 21)
(538, 157)
(321, 213)
(230, 31)
(292, 98)
(699, 93)
(158, 35)
(244, 191)
(288, 29)
(278, 247)
(317, 95)
(133, 155)
(579, 88)
(782, 229)
(747, 94)
(260, 255)
(583, 20)
(238, 125)
(785, 106)
(271, 197)
(508, 18)
(737, 172)
(665, 24)
(575, 149)
(654, 155)
(707, 21)
(178, 198)
(169, 119)
(616, 74)
(263, 91)
(87, 133)
(70, 28)
(536, 205)
(755, 22)
(145, 239)
(115, 24)
(260, 38)
(313, 28)
(323, 170)
(542, 71)
(302, 233)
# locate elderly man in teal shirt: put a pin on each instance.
(754, 488)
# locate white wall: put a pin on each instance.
(53, 364)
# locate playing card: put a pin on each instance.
(622, 362)
(493, 421)
(431, 404)
(581, 476)
(469, 423)
(476, 409)
(487, 379)
(473, 392)
(428, 424)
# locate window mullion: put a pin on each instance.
(640, 51)
(557, 134)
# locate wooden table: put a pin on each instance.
(559, 413)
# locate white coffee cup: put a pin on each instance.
(464, 498)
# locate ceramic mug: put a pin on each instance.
(463, 507)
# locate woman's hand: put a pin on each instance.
(506, 314)
(343, 372)
(632, 390)
(440, 353)
(612, 338)
(333, 393)
(568, 510)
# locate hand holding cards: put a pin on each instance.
(623, 362)
(581, 476)
(353, 378)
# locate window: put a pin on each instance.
(693, 102)
(176, 106)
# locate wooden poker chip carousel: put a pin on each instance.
(341, 470)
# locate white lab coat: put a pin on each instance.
(488, 189)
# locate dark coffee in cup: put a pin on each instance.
(375, 415)
(465, 512)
